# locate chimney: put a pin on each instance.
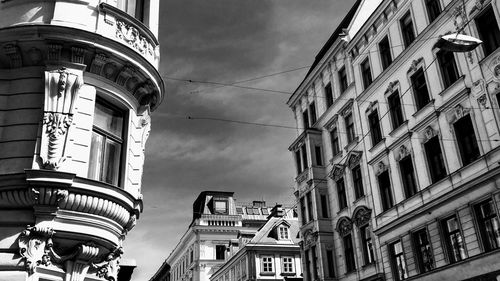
(277, 211)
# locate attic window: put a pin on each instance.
(220, 207)
(283, 233)
(265, 211)
(239, 210)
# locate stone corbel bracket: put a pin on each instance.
(33, 246)
(109, 267)
(61, 90)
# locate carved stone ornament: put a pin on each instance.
(414, 65)
(495, 68)
(354, 158)
(145, 125)
(344, 226)
(97, 63)
(332, 123)
(403, 152)
(108, 268)
(61, 90)
(391, 87)
(460, 17)
(429, 133)
(458, 112)
(483, 101)
(54, 52)
(33, 247)
(13, 52)
(337, 172)
(381, 167)
(131, 36)
(478, 6)
(362, 216)
(347, 109)
(77, 55)
(310, 238)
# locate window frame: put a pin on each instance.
(367, 244)
(430, 13)
(329, 98)
(385, 53)
(267, 266)
(444, 65)
(382, 189)
(325, 208)
(359, 191)
(409, 191)
(418, 89)
(335, 141)
(283, 233)
(394, 258)
(419, 254)
(439, 175)
(407, 30)
(467, 157)
(290, 263)
(350, 127)
(396, 111)
(349, 256)
(366, 72)
(341, 193)
(447, 243)
(481, 227)
(485, 39)
(375, 127)
(343, 79)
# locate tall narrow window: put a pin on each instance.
(435, 159)
(448, 67)
(341, 194)
(220, 252)
(106, 143)
(283, 232)
(303, 151)
(395, 109)
(420, 90)
(433, 9)
(398, 261)
(489, 33)
(385, 52)
(349, 253)
(287, 264)
(298, 162)
(314, 260)
(312, 111)
(366, 73)
(303, 213)
(319, 155)
(374, 122)
(385, 190)
(308, 264)
(466, 139)
(328, 95)
(324, 206)
(367, 244)
(309, 206)
(455, 246)
(423, 251)
(305, 117)
(489, 226)
(408, 176)
(407, 29)
(349, 128)
(357, 180)
(329, 259)
(335, 141)
(343, 79)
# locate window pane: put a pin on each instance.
(408, 176)
(489, 226)
(329, 95)
(395, 110)
(489, 33)
(448, 67)
(435, 159)
(420, 90)
(433, 9)
(385, 190)
(96, 153)
(385, 52)
(108, 119)
(466, 138)
(111, 167)
(407, 29)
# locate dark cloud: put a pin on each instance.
(223, 41)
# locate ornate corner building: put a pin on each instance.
(78, 82)
(398, 145)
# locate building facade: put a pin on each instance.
(398, 145)
(78, 83)
(218, 228)
(273, 253)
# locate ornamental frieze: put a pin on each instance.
(344, 226)
(362, 216)
(132, 37)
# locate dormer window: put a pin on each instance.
(283, 233)
(220, 207)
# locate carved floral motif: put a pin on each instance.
(362, 216)
(344, 226)
(354, 158)
(33, 247)
(133, 38)
(337, 172)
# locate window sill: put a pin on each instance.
(342, 210)
(419, 111)
(378, 144)
(452, 85)
(368, 265)
(336, 156)
(267, 273)
(351, 144)
(399, 128)
(359, 199)
(288, 274)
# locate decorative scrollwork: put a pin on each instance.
(108, 268)
(131, 35)
(33, 247)
(362, 216)
(344, 226)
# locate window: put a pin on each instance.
(407, 29)
(408, 176)
(298, 162)
(324, 206)
(349, 253)
(318, 154)
(374, 123)
(220, 252)
(366, 73)
(454, 242)
(343, 79)
(435, 159)
(191, 256)
(466, 139)
(283, 232)
(305, 117)
(357, 180)
(308, 264)
(243, 268)
(220, 207)
(314, 259)
(448, 67)
(385, 52)
(312, 111)
(134, 8)
(106, 144)
(341, 194)
(385, 190)
(303, 211)
(398, 261)
(423, 251)
(239, 210)
(433, 9)
(335, 141)
(329, 259)
(265, 211)
(489, 226)
(395, 109)
(328, 95)
(487, 28)
(420, 90)
(309, 206)
(256, 211)
(367, 244)
(303, 151)
(349, 127)
(287, 263)
(267, 264)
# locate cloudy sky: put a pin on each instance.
(224, 41)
